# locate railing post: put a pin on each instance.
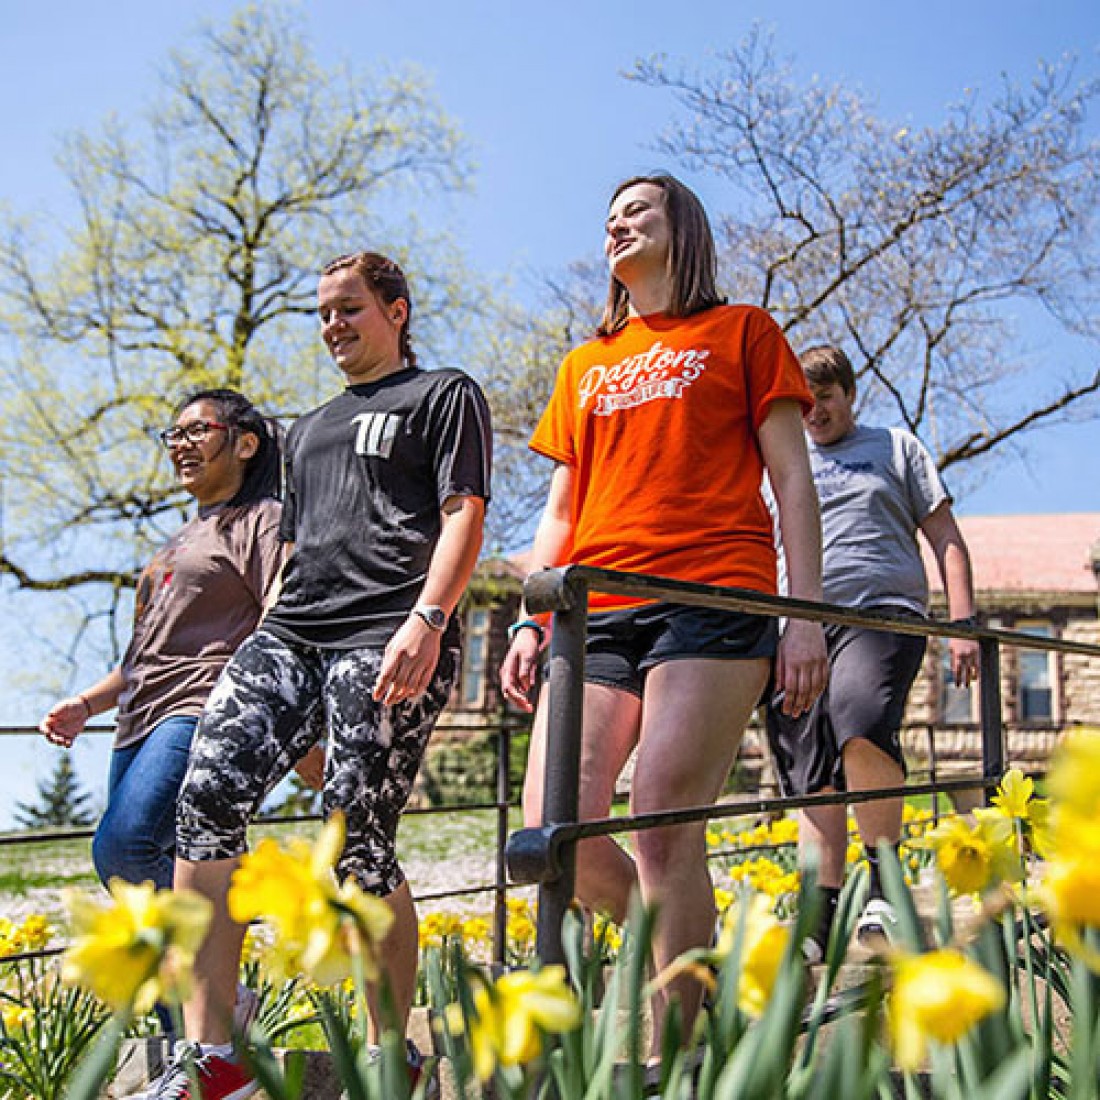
(504, 799)
(989, 691)
(933, 770)
(560, 799)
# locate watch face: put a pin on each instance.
(435, 617)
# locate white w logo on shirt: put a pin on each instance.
(377, 432)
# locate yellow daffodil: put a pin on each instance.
(522, 926)
(937, 996)
(1070, 889)
(762, 947)
(765, 875)
(437, 927)
(9, 938)
(608, 933)
(1039, 827)
(511, 1015)
(1014, 794)
(138, 947)
(784, 831)
(35, 932)
(320, 925)
(475, 930)
(975, 857)
(1015, 802)
(1074, 779)
(32, 935)
(15, 1017)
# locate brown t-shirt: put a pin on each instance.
(197, 600)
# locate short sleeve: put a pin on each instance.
(260, 548)
(772, 370)
(923, 484)
(555, 435)
(462, 438)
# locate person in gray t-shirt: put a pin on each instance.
(877, 487)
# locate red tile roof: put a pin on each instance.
(1032, 553)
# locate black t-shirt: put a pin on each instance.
(366, 476)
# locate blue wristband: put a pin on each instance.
(526, 624)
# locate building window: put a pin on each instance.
(956, 703)
(475, 660)
(1035, 681)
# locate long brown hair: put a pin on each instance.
(692, 257)
(387, 281)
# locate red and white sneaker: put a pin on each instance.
(219, 1078)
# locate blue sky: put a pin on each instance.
(538, 91)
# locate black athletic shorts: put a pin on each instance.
(870, 674)
(624, 645)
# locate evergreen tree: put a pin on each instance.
(61, 803)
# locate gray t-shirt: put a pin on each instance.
(876, 486)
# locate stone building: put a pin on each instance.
(1036, 574)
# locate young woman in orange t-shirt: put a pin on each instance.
(661, 429)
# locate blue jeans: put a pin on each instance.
(136, 837)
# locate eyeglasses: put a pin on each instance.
(195, 432)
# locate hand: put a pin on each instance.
(408, 662)
(519, 671)
(964, 660)
(801, 666)
(65, 721)
(311, 768)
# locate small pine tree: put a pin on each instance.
(61, 803)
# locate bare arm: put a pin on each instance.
(941, 530)
(413, 652)
(553, 540)
(801, 667)
(67, 718)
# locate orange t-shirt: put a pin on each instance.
(659, 423)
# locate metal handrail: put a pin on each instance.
(546, 855)
(502, 805)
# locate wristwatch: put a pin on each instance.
(434, 616)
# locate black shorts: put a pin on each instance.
(624, 645)
(870, 674)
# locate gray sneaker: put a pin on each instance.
(878, 924)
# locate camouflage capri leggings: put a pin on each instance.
(261, 718)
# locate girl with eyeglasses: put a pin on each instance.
(201, 595)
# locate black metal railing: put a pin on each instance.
(501, 805)
(546, 855)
